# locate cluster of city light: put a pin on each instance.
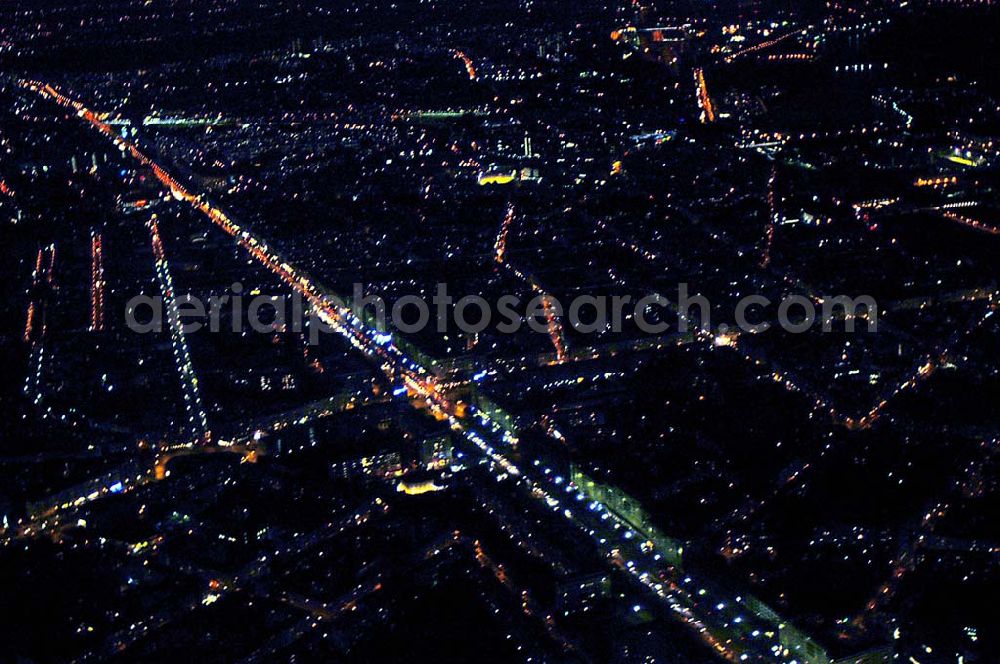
(197, 418)
(96, 282)
(867, 26)
(553, 324)
(33, 378)
(874, 204)
(789, 57)
(29, 322)
(778, 137)
(859, 68)
(35, 331)
(115, 482)
(970, 222)
(501, 244)
(705, 102)
(942, 181)
(896, 108)
(772, 206)
(764, 45)
(30, 331)
(470, 67)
